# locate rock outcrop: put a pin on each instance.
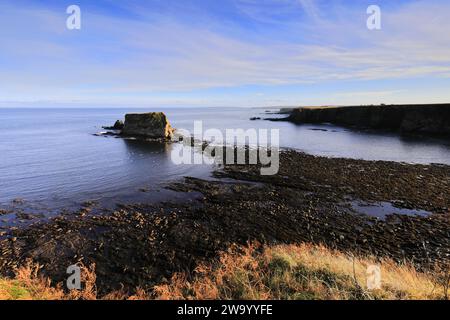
(118, 125)
(149, 125)
(422, 119)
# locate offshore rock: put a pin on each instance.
(149, 125)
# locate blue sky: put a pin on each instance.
(223, 53)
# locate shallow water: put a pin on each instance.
(381, 210)
(51, 157)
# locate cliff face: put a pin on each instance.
(427, 119)
(151, 125)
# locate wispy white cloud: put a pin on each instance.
(138, 59)
(310, 8)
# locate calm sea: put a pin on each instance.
(51, 155)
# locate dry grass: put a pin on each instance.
(298, 272)
(255, 272)
(29, 285)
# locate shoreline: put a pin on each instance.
(309, 201)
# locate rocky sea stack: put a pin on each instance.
(152, 125)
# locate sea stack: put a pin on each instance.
(149, 125)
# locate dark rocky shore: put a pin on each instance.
(309, 200)
(411, 119)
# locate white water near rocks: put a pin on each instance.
(381, 210)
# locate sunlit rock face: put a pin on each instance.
(150, 125)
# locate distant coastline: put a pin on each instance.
(430, 119)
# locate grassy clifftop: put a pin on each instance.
(255, 272)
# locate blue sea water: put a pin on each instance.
(52, 156)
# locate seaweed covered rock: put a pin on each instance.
(150, 125)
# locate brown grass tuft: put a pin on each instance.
(301, 272)
(298, 272)
(29, 285)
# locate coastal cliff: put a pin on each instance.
(422, 119)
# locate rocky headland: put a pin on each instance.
(409, 119)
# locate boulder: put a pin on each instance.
(150, 125)
(118, 125)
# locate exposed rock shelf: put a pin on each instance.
(308, 201)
